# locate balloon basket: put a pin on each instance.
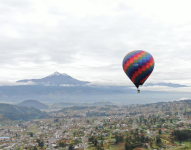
(138, 91)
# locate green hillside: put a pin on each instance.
(14, 112)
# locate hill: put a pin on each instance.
(33, 103)
(14, 112)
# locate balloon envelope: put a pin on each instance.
(138, 65)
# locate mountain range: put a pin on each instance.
(58, 87)
(55, 88)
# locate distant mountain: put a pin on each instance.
(69, 104)
(166, 84)
(33, 103)
(55, 94)
(58, 88)
(102, 103)
(82, 94)
(14, 112)
(56, 79)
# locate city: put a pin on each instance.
(147, 126)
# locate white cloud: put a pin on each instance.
(184, 98)
(166, 88)
(88, 39)
(110, 82)
(167, 12)
(12, 83)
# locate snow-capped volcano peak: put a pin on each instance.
(57, 74)
(56, 79)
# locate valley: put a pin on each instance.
(143, 126)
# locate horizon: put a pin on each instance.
(90, 45)
(146, 86)
(57, 87)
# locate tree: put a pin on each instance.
(136, 132)
(160, 131)
(74, 134)
(91, 139)
(151, 143)
(56, 120)
(71, 147)
(116, 139)
(158, 141)
(31, 134)
(128, 146)
(33, 148)
(40, 142)
(142, 139)
(61, 144)
(102, 143)
(182, 135)
(99, 148)
(95, 142)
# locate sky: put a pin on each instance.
(88, 40)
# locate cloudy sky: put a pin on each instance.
(88, 39)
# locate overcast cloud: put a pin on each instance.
(89, 39)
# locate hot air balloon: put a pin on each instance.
(138, 65)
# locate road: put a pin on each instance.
(83, 140)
